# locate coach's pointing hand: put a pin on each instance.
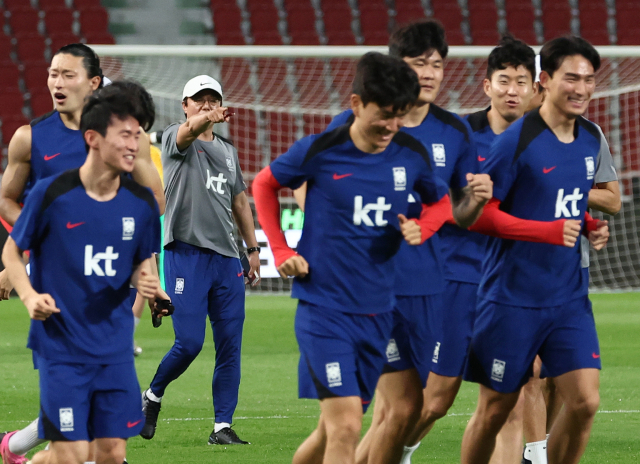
(295, 266)
(219, 114)
(572, 228)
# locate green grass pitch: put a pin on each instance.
(275, 421)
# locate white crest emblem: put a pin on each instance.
(230, 164)
(399, 178)
(497, 371)
(128, 228)
(66, 419)
(179, 285)
(439, 156)
(393, 354)
(334, 375)
(591, 167)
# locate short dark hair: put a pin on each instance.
(417, 38)
(556, 50)
(511, 52)
(386, 81)
(90, 60)
(120, 99)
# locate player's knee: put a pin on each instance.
(584, 406)
(437, 407)
(406, 410)
(190, 348)
(346, 431)
(110, 451)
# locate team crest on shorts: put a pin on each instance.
(392, 351)
(128, 228)
(66, 419)
(439, 156)
(436, 353)
(591, 167)
(179, 286)
(334, 376)
(399, 179)
(497, 371)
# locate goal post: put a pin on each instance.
(279, 94)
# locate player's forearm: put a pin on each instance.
(9, 210)
(605, 200)
(265, 194)
(191, 130)
(497, 223)
(244, 220)
(466, 211)
(12, 260)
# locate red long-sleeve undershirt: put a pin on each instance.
(433, 216)
(265, 194)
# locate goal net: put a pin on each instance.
(280, 94)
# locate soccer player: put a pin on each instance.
(50, 145)
(92, 231)
(419, 280)
(360, 178)
(204, 276)
(533, 298)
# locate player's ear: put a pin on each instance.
(544, 79)
(486, 86)
(91, 138)
(356, 104)
(95, 82)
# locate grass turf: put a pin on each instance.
(271, 417)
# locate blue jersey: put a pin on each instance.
(83, 253)
(54, 148)
(445, 136)
(351, 230)
(537, 177)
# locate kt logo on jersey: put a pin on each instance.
(563, 201)
(361, 212)
(92, 262)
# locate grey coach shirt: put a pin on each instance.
(200, 183)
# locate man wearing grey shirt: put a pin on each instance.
(205, 192)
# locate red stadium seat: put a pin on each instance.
(243, 129)
(342, 71)
(80, 4)
(235, 74)
(9, 74)
(593, 22)
(40, 101)
(520, 19)
(301, 23)
(93, 20)
(12, 102)
(450, 15)
(337, 18)
(99, 38)
(627, 14)
(282, 132)
(226, 24)
(57, 20)
(35, 74)
(6, 47)
(272, 77)
(408, 11)
(15, 4)
(24, 20)
(556, 19)
(31, 47)
(374, 23)
(264, 24)
(10, 124)
(47, 5)
(59, 40)
(483, 21)
(312, 90)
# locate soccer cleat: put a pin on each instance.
(7, 456)
(226, 436)
(150, 409)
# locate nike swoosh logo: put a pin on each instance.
(548, 170)
(73, 226)
(50, 157)
(595, 356)
(240, 274)
(480, 158)
(337, 176)
(133, 424)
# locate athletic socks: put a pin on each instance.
(536, 452)
(219, 426)
(407, 452)
(153, 397)
(26, 439)
(136, 321)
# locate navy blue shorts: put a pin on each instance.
(452, 328)
(88, 401)
(506, 340)
(341, 354)
(411, 342)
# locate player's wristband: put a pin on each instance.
(252, 249)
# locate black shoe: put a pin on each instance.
(226, 436)
(150, 409)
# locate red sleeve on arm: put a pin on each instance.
(433, 216)
(265, 194)
(590, 224)
(497, 223)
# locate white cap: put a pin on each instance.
(199, 83)
(537, 76)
